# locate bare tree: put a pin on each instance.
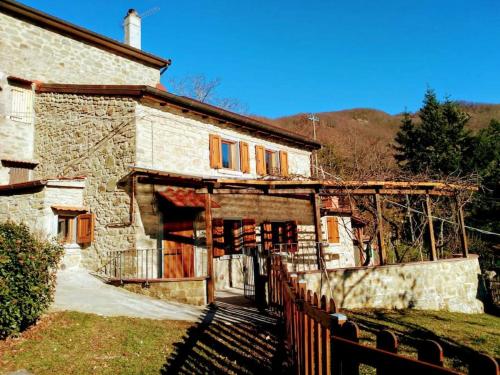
(201, 88)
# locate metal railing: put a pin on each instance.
(154, 263)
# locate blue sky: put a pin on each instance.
(285, 57)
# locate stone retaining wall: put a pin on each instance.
(448, 284)
(190, 291)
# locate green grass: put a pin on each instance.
(77, 343)
(460, 335)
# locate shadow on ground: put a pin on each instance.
(232, 337)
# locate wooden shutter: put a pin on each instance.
(284, 163)
(249, 237)
(218, 237)
(260, 160)
(85, 229)
(215, 151)
(244, 158)
(333, 229)
(292, 237)
(267, 235)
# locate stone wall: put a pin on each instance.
(190, 291)
(181, 145)
(448, 284)
(92, 136)
(16, 133)
(34, 53)
(34, 208)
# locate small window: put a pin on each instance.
(18, 175)
(22, 105)
(229, 157)
(19, 171)
(66, 229)
(272, 163)
(233, 236)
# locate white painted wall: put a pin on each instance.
(344, 250)
(173, 143)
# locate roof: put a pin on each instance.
(185, 198)
(66, 208)
(187, 105)
(81, 34)
(34, 184)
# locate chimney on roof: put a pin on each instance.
(132, 28)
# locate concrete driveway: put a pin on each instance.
(77, 290)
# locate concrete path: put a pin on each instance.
(77, 290)
(232, 337)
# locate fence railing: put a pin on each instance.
(150, 264)
(319, 340)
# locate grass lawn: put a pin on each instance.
(77, 343)
(460, 335)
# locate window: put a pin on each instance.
(73, 227)
(272, 163)
(228, 154)
(66, 229)
(229, 158)
(19, 171)
(22, 105)
(18, 175)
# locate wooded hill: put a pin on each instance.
(361, 139)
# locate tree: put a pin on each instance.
(439, 144)
(200, 88)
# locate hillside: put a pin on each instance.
(361, 138)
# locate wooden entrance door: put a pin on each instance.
(178, 249)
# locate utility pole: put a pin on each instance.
(312, 117)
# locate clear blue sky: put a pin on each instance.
(284, 57)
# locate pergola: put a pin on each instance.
(313, 190)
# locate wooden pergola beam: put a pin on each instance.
(316, 201)
(380, 230)
(463, 233)
(432, 239)
(210, 249)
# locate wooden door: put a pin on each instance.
(178, 249)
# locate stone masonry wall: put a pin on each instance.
(448, 284)
(91, 136)
(34, 53)
(192, 292)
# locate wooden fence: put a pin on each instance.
(319, 340)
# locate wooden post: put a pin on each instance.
(210, 249)
(428, 209)
(317, 223)
(463, 233)
(380, 230)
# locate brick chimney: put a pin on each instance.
(132, 29)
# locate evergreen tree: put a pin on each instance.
(439, 143)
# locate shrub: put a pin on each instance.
(27, 277)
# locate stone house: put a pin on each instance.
(138, 183)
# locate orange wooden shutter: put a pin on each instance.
(218, 237)
(215, 151)
(260, 160)
(249, 237)
(333, 229)
(292, 237)
(244, 157)
(284, 163)
(85, 229)
(267, 235)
